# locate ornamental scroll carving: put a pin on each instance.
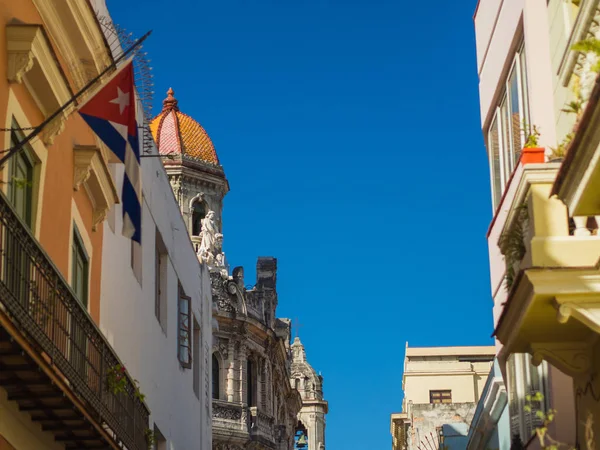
(228, 412)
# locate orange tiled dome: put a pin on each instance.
(177, 133)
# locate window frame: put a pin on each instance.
(196, 336)
(161, 282)
(26, 154)
(440, 394)
(508, 156)
(78, 246)
(184, 343)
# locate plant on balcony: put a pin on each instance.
(116, 379)
(512, 243)
(150, 438)
(137, 393)
(546, 441)
(589, 45)
(560, 150)
(532, 135)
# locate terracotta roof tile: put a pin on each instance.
(176, 132)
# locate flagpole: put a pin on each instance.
(41, 126)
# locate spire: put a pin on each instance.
(298, 353)
(170, 103)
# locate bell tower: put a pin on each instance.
(310, 430)
(195, 173)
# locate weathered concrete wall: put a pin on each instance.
(426, 418)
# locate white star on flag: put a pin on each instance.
(122, 99)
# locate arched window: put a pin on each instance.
(215, 377)
(300, 437)
(198, 213)
(251, 383)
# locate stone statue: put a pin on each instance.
(208, 235)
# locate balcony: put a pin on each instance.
(237, 422)
(261, 426)
(551, 274)
(230, 416)
(54, 361)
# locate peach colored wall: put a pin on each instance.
(57, 192)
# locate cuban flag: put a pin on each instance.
(110, 113)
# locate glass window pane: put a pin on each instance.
(79, 271)
(506, 138)
(494, 154)
(516, 121)
(524, 93)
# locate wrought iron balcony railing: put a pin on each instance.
(43, 308)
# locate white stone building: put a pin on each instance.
(156, 309)
(311, 418)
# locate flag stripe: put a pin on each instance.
(110, 113)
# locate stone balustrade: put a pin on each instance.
(261, 424)
(228, 415)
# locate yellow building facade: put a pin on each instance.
(441, 387)
(56, 193)
(544, 244)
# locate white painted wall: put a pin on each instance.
(127, 316)
(128, 320)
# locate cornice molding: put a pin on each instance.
(91, 170)
(31, 60)
(82, 46)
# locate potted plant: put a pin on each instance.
(532, 152)
(559, 152)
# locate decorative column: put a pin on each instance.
(230, 388)
(242, 358)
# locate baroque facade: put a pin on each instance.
(255, 404)
(311, 418)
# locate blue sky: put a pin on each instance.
(349, 131)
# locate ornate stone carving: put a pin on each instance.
(81, 175)
(18, 64)
(222, 346)
(227, 411)
(573, 358)
(53, 129)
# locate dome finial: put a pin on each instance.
(170, 103)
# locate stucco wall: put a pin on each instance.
(464, 387)
(129, 322)
(426, 419)
(465, 379)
